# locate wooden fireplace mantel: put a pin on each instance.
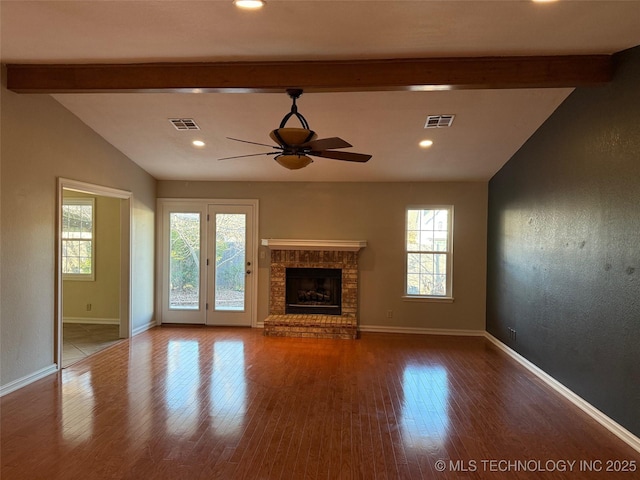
(325, 245)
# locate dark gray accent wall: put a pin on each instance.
(564, 245)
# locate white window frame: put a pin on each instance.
(88, 277)
(448, 296)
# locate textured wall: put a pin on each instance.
(564, 245)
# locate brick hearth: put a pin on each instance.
(319, 326)
(314, 326)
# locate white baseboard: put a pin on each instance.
(420, 331)
(92, 320)
(607, 422)
(26, 380)
(144, 328)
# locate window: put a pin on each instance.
(429, 253)
(78, 238)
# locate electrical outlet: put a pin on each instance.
(512, 334)
(389, 313)
(88, 307)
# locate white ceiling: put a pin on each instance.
(490, 125)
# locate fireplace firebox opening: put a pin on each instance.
(313, 291)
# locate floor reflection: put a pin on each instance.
(425, 419)
(140, 389)
(228, 391)
(78, 405)
(183, 380)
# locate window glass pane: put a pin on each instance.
(439, 285)
(413, 240)
(426, 219)
(440, 244)
(413, 219)
(184, 262)
(413, 284)
(426, 240)
(426, 263)
(413, 263)
(440, 264)
(441, 220)
(230, 261)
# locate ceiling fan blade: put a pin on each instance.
(327, 144)
(253, 143)
(347, 156)
(250, 155)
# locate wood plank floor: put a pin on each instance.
(205, 403)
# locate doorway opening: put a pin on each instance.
(93, 272)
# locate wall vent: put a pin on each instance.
(184, 123)
(439, 121)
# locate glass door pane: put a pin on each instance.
(184, 261)
(230, 278)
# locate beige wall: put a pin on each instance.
(40, 141)
(103, 293)
(374, 212)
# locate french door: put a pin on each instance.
(230, 269)
(208, 256)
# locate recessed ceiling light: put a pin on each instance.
(249, 4)
(198, 143)
(426, 143)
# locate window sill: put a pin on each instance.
(78, 278)
(418, 298)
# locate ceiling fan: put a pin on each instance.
(297, 145)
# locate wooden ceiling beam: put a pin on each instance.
(330, 76)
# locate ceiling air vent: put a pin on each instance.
(439, 121)
(184, 123)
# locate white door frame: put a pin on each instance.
(125, 256)
(204, 203)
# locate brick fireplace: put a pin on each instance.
(313, 254)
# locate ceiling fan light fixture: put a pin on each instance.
(297, 144)
(292, 136)
(293, 162)
(249, 4)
